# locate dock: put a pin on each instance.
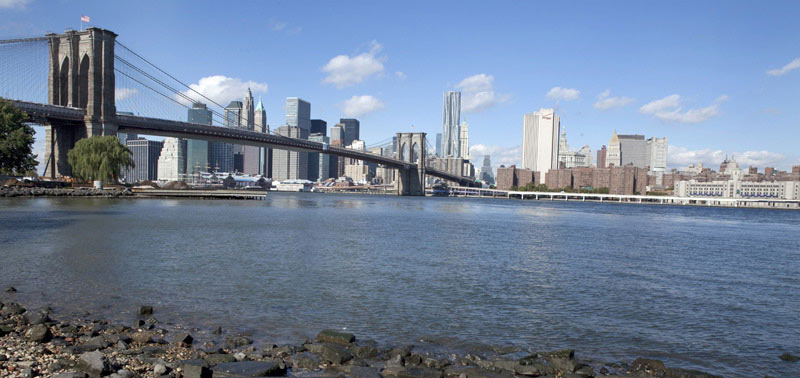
(201, 194)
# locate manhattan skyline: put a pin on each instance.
(717, 79)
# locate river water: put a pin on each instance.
(716, 289)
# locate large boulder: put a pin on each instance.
(238, 341)
(218, 358)
(94, 364)
(39, 333)
(331, 352)
(419, 372)
(305, 361)
(331, 336)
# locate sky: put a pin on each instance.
(716, 78)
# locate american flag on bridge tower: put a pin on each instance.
(84, 18)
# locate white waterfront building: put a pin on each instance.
(172, 161)
(540, 134)
(734, 188)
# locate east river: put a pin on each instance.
(716, 289)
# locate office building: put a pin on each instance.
(248, 111)
(145, 155)
(318, 163)
(464, 141)
(601, 157)
(337, 134)
(319, 126)
(260, 125)
(356, 169)
(172, 160)
(290, 165)
(351, 128)
(486, 171)
(439, 144)
(451, 122)
(197, 150)
(633, 150)
(613, 155)
(657, 154)
(298, 113)
(540, 141)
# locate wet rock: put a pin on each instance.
(12, 309)
(649, 366)
(144, 310)
(365, 352)
(142, 337)
(249, 369)
(331, 352)
(11, 289)
(473, 372)
(39, 333)
(183, 339)
(37, 317)
(402, 351)
(240, 356)
(413, 359)
(93, 363)
(218, 358)
(362, 372)
(70, 375)
(305, 360)
(123, 374)
(396, 361)
(563, 360)
(419, 372)
(238, 341)
(685, 373)
(95, 343)
(336, 337)
(217, 331)
(789, 357)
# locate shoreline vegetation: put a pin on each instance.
(35, 342)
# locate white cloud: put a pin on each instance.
(14, 3)
(124, 93)
(669, 109)
(793, 65)
(345, 70)
(605, 101)
(400, 75)
(282, 26)
(360, 105)
(499, 155)
(566, 94)
(477, 93)
(223, 89)
(681, 157)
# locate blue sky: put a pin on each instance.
(716, 78)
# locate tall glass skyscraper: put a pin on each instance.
(298, 113)
(352, 130)
(451, 125)
(197, 150)
(540, 135)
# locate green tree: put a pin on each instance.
(99, 158)
(16, 141)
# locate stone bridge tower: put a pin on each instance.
(81, 75)
(411, 149)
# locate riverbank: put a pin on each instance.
(21, 191)
(37, 342)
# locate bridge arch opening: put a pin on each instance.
(402, 152)
(83, 82)
(63, 83)
(414, 153)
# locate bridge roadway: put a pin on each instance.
(44, 113)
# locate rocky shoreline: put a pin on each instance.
(35, 343)
(21, 191)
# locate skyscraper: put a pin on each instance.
(614, 155)
(260, 119)
(451, 120)
(290, 165)
(260, 125)
(318, 163)
(248, 111)
(633, 150)
(172, 160)
(298, 113)
(351, 128)
(319, 126)
(540, 141)
(197, 150)
(487, 177)
(464, 141)
(439, 144)
(601, 157)
(145, 159)
(657, 154)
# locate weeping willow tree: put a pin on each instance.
(99, 158)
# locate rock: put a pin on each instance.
(365, 352)
(685, 373)
(93, 363)
(649, 366)
(563, 360)
(95, 343)
(218, 358)
(11, 289)
(305, 360)
(249, 369)
(362, 372)
(152, 350)
(238, 341)
(37, 317)
(39, 333)
(160, 369)
(70, 375)
(419, 372)
(12, 309)
(473, 372)
(142, 337)
(239, 356)
(196, 371)
(331, 336)
(331, 352)
(395, 361)
(183, 339)
(145, 310)
(123, 374)
(217, 331)
(790, 357)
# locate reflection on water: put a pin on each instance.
(710, 288)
